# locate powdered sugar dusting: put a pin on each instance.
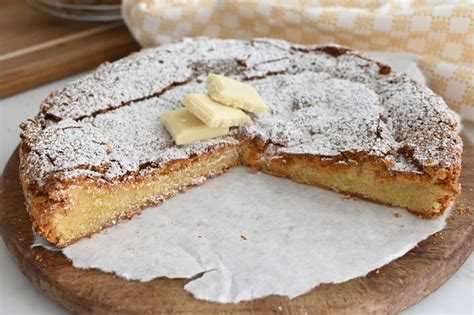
(313, 113)
(154, 71)
(323, 100)
(139, 137)
(68, 146)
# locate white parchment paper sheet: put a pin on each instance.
(254, 235)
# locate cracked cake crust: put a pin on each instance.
(328, 105)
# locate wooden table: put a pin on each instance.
(36, 48)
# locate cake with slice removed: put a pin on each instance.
(97, 151)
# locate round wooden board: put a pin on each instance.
(394, 287)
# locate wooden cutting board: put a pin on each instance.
(390, 289)
(36, 48)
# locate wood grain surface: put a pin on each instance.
(36, 48)
(390, 289)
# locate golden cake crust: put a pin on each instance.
(332, 111)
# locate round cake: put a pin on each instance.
(97, 151)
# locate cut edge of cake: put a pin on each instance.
(83, 206)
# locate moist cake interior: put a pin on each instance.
(97, 152)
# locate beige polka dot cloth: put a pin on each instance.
(441, 32)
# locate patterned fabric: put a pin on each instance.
(441, 32)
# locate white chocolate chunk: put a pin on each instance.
(214, 114)
(235, 93)
(185, 128)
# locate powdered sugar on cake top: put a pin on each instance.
(152, 71)
(323, 100)
(314, 113)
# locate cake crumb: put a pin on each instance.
(440, 235)
(462, 210)
(243, 237)
(397, 215)
(253, 170)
